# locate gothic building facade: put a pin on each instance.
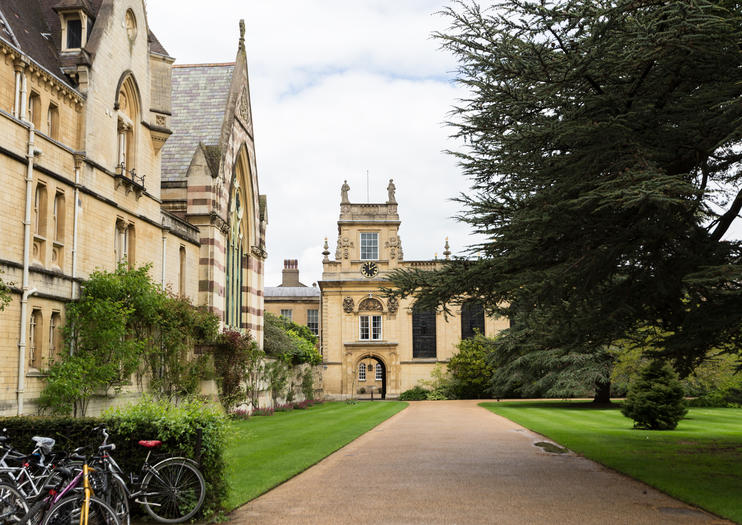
(371, 343)
(87, 110)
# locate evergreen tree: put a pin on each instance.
(655, 400)
(601, 139)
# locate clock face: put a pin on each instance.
(369, 269)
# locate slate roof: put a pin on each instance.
(291, 291)
(199, 101)
(33, 27)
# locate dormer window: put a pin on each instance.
(74, 33)
(75, 23)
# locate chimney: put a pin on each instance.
(291, 273)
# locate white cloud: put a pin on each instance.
(337, 88)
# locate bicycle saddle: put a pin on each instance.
(150, 443)
(44, 443)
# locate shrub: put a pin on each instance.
(191, 428)
(125, 323)
(471, 369)
(292, 342)
(267, 411)
(416, 393)
(238, 364)
(307, 383)
(439, 385)
(240, 413)
(655, 399)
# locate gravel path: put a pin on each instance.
(453, 462)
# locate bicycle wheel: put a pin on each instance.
(12, 504)
(173, 491)
(118, 499)
(67, 512)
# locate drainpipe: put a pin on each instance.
(22, 115)
(78, 165)
(164, 251)
(27, 292)
(17, 100)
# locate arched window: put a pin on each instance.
(39, 208)
(52, 121)
(55, 339)
(379, 372)
(34, 109)
(127, 103)
(59, 217)
(182, 271)
(423, 333)
(472, 319)
(361, 372)
(35, 339)
(235, 253)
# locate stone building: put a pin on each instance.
(209, 179)
(293, 300)
(368, 339)
(85, 109)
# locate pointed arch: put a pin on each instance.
(242, 236)
(128, 106)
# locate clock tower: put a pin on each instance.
(370, 343)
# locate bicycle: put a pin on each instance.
(171, 491)
(12, 504)
(60, 508)
(35, 470)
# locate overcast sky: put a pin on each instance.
(338, 87)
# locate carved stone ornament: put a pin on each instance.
(346, 244)
(370, 304)
(393, 244)
(242, 107)
(393, 305)
(348, 305)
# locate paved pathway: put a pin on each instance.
(453, 462)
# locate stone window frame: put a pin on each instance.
(364, 247)
(124, 243)
(34, 108)
(313, 324)
(370, 329)
(418, 317)
(182, 271)
(52, 121)
(55, 339)
(35, 338)
(362, 372)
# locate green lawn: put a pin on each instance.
(700, 462)
(267, 450)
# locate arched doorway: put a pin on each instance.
(371, 377)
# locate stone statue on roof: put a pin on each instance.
(391, 189)
(344, 193)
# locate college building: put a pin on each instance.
(293, 300)
(372, 343)
(110, 153)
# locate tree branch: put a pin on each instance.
(725, 221)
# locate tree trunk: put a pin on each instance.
(602, 392)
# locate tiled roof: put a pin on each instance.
(199, 100)
(34, 28)
(291, 291)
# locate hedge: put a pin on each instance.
(191, 428)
